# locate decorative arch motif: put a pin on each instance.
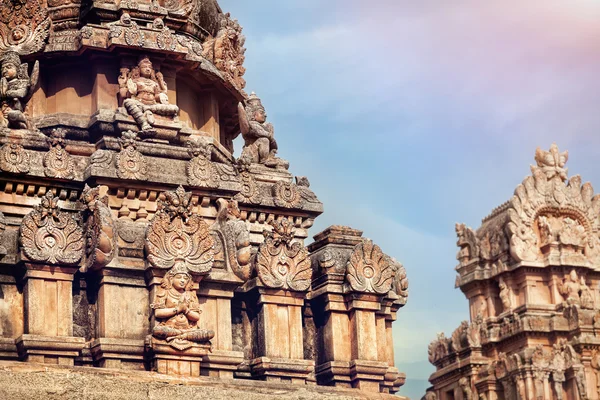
(177, 236)
(369, 269)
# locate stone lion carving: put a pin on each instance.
(51, 236)
(282, 263)
(177, 236)
(177, 311)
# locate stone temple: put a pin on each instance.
(140, 259)
(530, 273)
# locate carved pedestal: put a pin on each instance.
(279, 354)
(165, 359)
(49, 318)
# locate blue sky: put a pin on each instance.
(408, 116)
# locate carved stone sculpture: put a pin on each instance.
(505, 296)
(16, 88)
(131, 164)
(202, 172)
(99, 228)
(177, 236)
(369, 270)
(465, 387)
(51, 236)
(234, 237)
(281, 262)
(438, 348)
(24, 25)
(570, 288)
(558, 366)
(552, 163)
(3, 250)
(226, 50)
(400, 283)
(467, 242)
(177, 311)
(260, 146)
(13, 158)
(144, 91)
(58, 163)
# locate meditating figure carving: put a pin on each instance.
(16, 88)
(177, 311)
(144, 91)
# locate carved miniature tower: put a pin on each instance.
(530, 275)
(131, 238)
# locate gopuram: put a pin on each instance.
(531, 273)
(138, 257)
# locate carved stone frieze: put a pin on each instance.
(166, 39)
(226, 50)
(234, 238)
(58, 163)
(99, 228)
(202, 171)
(101, 159)
(250, 192)
(286, 194)
(369, 270)
(177, 236)
(130, 163)
(13, 158)
(51, 236)
(282, 262)
(24, 25)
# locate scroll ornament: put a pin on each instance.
(13, 158)
(369, 269)
(234, 237)
(58, 163)
(281, 263)
(131, 164)
(99, 228)
(178, 237)
(51, 236)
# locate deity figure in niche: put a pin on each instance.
(505, 296)
(570, 288)
(145, 94)
(16, 88)
(177, 311)
(587, 298)
(260, 146)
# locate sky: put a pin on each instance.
(409, 116)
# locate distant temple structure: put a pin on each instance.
(531, 275)
(133, 243)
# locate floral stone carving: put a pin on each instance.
(16, 88)
(281, 263)
(58, 163)
(260, 146)
(177, 311)
(176, 236)
(99, 228)
(24, 25)
(51, 236)
(13, 158)
(131, 164)
(285, 194)
(234, 239)
(250, 192)
(201, 171)
(369, 269)
(144, 91)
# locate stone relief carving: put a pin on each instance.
(250, 192)
(165, 40)
(564, 213)
(260, 146)
(281, 262)
(51, 236)
(24, 26)
(130, 163)
(570, 287)
(303, 186)
(226, 50)
(177, 311)
(439, 348)
(505, 296)
(400, 282)
(465, 387)
(201, 171)
(234, 237)
(467, 242)
(57, 162)
(3, 250)
(177, 236)
(16, 88)
(369, 269)
(101, 159)
(99, 228)
(595, 363)
(13, 158)
(430, 396)
(144, 93)
(286, 194)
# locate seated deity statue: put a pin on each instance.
(177, 311)
(260, 146)
(16, 88)
(145, 93)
